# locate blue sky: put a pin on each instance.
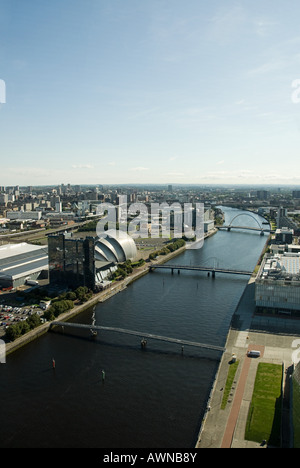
(150, 91)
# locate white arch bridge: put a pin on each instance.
(259, 227)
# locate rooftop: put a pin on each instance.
(13, 250)
(280, 266)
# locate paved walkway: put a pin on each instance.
(226, 428)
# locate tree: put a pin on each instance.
(71, 296)
(80, 292)
(33, 321)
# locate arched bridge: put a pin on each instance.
(259, 227)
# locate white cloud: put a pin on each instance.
(227, 23)
(268, 67)
(82, 166)
(139, 168)
(264, 27)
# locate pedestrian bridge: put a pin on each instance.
(94, 328)
(212, 270)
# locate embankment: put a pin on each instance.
(98, 297)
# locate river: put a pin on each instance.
(150, 398)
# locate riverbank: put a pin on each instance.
(225, 428)
(100, 297)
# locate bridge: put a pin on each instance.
(259, 228)
(94, 328)
(208, 269)
(246, 228)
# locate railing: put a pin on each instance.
(93, 328)
(201, 268)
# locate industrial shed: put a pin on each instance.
(22, 262)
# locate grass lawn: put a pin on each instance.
(264, 417)
(230, 378)
(296, 413)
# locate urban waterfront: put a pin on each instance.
(155, 397)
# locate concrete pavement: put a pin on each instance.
(226, 428)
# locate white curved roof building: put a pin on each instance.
(115, 246)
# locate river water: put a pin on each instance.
(150, 398)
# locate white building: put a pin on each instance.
(20, 262)
(277, 286)
(13, 215)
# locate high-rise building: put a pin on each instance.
(88, 261)
(72, 261)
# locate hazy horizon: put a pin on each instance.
(159, 91)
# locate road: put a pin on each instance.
(226, 428)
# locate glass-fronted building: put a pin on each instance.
(89, 261)
(72, 261)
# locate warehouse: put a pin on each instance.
(22, 262)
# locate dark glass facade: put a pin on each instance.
(71, 261)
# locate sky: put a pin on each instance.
(149, 91)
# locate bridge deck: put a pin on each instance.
(247, 228)
(202, 268)
(140, 334)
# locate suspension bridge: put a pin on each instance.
(93, 329)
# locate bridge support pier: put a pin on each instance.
(213, 274)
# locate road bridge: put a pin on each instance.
(246, 228)
(94, 328)
(258, 228)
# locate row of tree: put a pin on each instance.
(59, 305)
(126, 268)
(168, 249)
(18, 329)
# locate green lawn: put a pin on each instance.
(296, 413)
(230, 378)
(264, 417)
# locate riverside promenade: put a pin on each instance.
(100, 297)
(225, 428)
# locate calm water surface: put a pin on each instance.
(152, 398)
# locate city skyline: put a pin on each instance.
(160, 92)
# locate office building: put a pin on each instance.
(24, 215)
(89, 261)
(284, 235)
(277, 286)
(71, 261)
